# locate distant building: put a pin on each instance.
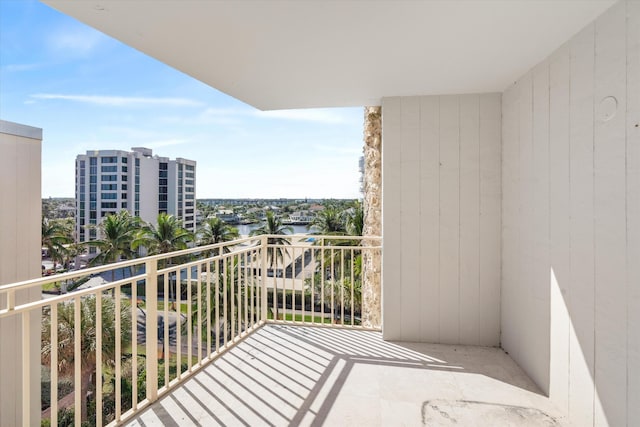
(299, 218)
(108, 181)
(228, 216)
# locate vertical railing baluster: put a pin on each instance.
(237, 300)
(341, 282)
(251, 284)
(189, 302)
(99, 384)
(77, 359)
(263, 274)
(166, 340)
(353, 285)
(151, 329)
(53, 321)
(199, 312)
(224, 298)
(322, 281)
(245, 287)
(208, 269)
(118, 354)
(313, 286)
(178, 296)
(217, 284)
(303, 290)
(235, 304)
(26, 368)
(333, 286)
(275, 304)
(293, 283)
(134, 346)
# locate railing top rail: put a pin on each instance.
(69, 296)
(118, 265)
(139, 261)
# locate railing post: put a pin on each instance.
(26, 370)
(263, 281)
(151, 330)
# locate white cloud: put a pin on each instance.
(16, 68)
(77, 41)
(120, 101)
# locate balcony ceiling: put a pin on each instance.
(292, 54)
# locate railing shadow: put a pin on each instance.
(291, 375)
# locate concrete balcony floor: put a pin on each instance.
(294, 375)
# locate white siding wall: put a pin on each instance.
(19, 260)
(571, 222)
(441, 219)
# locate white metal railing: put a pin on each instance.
(129, 341)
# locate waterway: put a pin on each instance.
(245, 229)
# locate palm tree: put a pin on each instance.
(338, 263)
(118, 232)
(329, 221)
(215, 230)
(88, 330)
(273, 226)
(167, 236)
(55, 235)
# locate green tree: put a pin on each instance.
(55, 235)
(214, 230)
(329, 221)
(273, 226)
(117, 233)
(275, 250)
(88, 329)
(355, 220)
(166, 236)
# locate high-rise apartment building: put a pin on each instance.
(108, 181)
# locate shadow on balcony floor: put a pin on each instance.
(289, 375)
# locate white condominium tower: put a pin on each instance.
(108, 181)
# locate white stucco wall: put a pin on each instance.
(571, 222)
(19, 260)
(441, 218)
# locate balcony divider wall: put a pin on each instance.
(20, 254)
(441, 219)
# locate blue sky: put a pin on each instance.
(88, 91)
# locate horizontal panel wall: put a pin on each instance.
(571, 215)
(441, 218)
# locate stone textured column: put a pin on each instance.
(372, 259)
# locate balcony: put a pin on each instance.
(258, 331)
(162, 318)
